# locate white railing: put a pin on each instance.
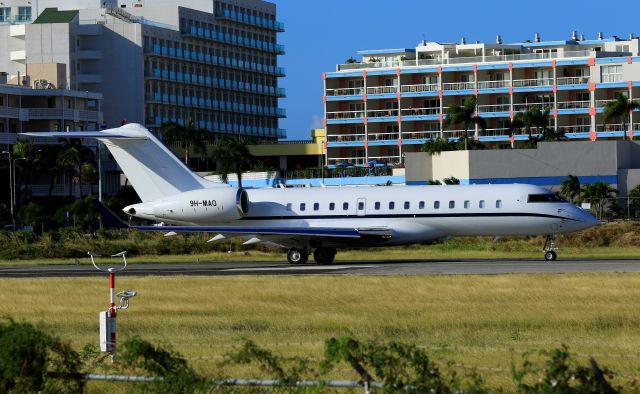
(345, 92)
(456, 133)
(420, 135)
(346, 137)
(345, 114)
(573, 104)
(610, 127)
(525, 106)
(47, 113)
(383, 136)
(381, 113)
(493, 84)
(382, 89)
(458, 86)
(429, 87)
(572, 80)
(494, 132)
(518, 83)
(576, 128)
(494, 108)
(420, 111)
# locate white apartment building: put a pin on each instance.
(393, 100)
(153, 61)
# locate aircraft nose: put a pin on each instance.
(587, 219)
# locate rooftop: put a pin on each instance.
(52, 15)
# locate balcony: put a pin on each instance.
(572, 80)
(523, 107)
(382, 90)
(351, 160)
(429, 87)
(521, 83)
(421, 111)
(346, 138)
(345, 115)
(384, 136)
(250, 19)
(493, 84)
(345, 92)
(493, 108)
(458, 86)
(573, 104)
(382, 113)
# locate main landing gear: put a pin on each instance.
(320, 255)
(550, 248)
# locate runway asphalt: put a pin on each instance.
(394, 267)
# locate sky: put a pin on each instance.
(322, 33)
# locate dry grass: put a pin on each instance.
(474, 320)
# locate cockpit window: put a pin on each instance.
(544, 198)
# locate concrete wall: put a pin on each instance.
(614, 162)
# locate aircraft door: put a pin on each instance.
(361, 207)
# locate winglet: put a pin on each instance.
(110, 219)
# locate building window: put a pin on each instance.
(332, 206)
(407, 204)
(452, 204)
(467, 204)
(421, 205)
(392, 205)
(436, 205)
(303, 206)
(316, 206)
(481, 204)
(376, 206)
(611, 73)
(498, 203)
(24, 14)
(345, 206)
(5, 14)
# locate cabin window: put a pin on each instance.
(332, 206)
(544, 198)
(376, 206)
(392, 205)
(481, 204)
(407, 204)
(289, 206)
(345, 206)
(498, 203)
(467, 204)
(436, 205)
(303, 206)
(421, 205)
(452, 204)
(360, 205)
(316, 206)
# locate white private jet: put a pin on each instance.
(325, 219)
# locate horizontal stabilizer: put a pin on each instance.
(84, 134)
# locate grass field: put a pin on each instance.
(482, 321)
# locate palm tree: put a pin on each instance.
(67, 161)
(570, 188)
(466, 116)
(436, 146)
(28, 154)
(234, 157)
(597, 194)
(620, 107)
(528, 120)
(188, 137)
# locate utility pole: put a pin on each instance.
(13, 220)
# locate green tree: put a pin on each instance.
(438, 145)
(452, 180)
(634, 198)
(465, 116)
(32, 214)
(233, 156)
(67, 161)
(598, 194)
(29, 156)
(189, 138)
(619, 108)
(570, 188)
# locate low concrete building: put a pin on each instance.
(613, 162)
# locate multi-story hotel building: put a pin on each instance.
(154, 61)
(394, 100)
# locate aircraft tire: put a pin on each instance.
(324, 255)
(550, 255)
(297, 256)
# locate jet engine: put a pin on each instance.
(202, 206)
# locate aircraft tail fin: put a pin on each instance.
(153, 170)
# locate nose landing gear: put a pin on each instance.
(550, 248)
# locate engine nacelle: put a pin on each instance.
(203, 206)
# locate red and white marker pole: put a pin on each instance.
(112, 307)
